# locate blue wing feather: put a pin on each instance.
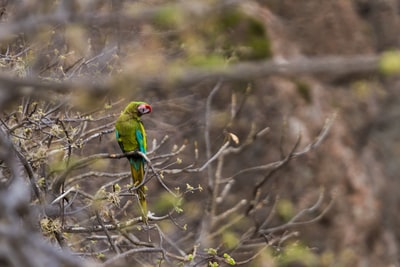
(138, 162)
(116, 134)
(140, 139)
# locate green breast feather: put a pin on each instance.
(131, 136)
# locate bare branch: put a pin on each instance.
(228, 212)
(207, 129)
(295, 221)
(125, 254)
(336, 66)
(100, 228)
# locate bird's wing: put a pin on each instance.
(119, 140)
(140, 139)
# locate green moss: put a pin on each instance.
(230, 18)
(243, 36)
(256, 27)
(260, 47)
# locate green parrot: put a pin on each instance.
(131, 136)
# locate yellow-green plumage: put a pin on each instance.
(131, 136)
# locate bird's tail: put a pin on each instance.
(137, 176)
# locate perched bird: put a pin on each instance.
(131, 136)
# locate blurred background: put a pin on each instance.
(214, 72)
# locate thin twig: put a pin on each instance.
(125, 254)
(207, 130)
(113, 246)
(295, 220)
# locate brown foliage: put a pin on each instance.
(246, 162)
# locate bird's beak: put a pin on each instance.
(144, 109)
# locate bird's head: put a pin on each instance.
(143, 108)
(137, 108)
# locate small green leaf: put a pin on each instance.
(229, 259)
(189, 187)
(211, 251)
(189, 257)
(100, 256)
(178, 209)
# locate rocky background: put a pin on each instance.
(69, 68)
